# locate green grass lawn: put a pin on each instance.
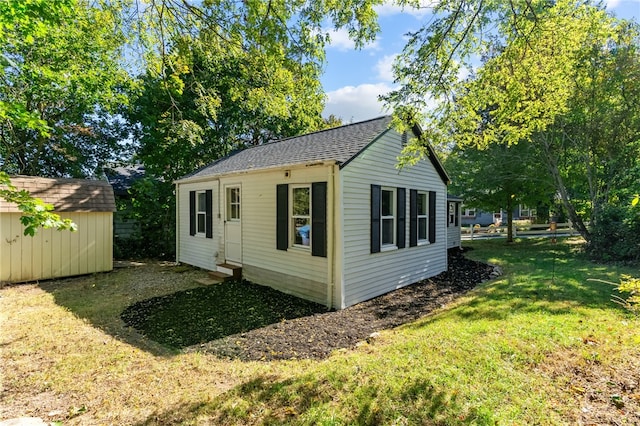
(543, 344)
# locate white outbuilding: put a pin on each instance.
(51, 253)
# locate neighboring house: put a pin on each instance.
(482, 218)
(325, 216)
(453, 221)
(52, 253)
(121, 179)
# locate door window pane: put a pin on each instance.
(233, 203)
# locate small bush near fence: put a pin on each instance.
(616, 235)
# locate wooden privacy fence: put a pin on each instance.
(533, 230)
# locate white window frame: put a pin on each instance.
(292, 217)
(423, 217)
(452, 213)
(530, 212)
(469, 213)
(201, 212)
(393, 218)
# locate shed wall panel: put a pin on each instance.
(367, 275)
(54, 254)
(453, 236)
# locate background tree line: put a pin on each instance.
(548, 110)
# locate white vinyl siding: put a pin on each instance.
(366, 275)
(292, 271)
(197, 250)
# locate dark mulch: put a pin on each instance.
(262, 324)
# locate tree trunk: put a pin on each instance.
(552, 164)
(509, 220)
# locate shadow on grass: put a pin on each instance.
(203, 314)
(304, 400)
(168, 309)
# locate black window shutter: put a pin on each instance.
(209, 213)
(432, 216)
(376, 192)
(282, 214)
(192, 212)
(401, 229)
(413, 217)
(457, 214)
(319, 219)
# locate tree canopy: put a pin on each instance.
(64, 79)
(562, 76)
(182, 83)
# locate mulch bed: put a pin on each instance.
(317, 335)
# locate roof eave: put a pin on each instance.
(417, 130)
(215, 176)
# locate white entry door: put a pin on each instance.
(233, 225)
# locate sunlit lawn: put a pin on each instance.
(541, 345)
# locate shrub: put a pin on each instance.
(616, 235)
(631, 286)
(153, 210)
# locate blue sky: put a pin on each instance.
(353, 79)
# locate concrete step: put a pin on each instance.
(219, 276)
(232, 270)
(205, 281)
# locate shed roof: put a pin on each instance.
(338, 144)
(66, 195)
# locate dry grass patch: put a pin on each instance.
(67, 356)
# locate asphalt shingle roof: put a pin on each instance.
(338, 144)
(122, 178)
(66, 195)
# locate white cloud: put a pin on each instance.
(357, 103)
(612, 4)
(390, 8)
(384, 67)
(340, 40)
